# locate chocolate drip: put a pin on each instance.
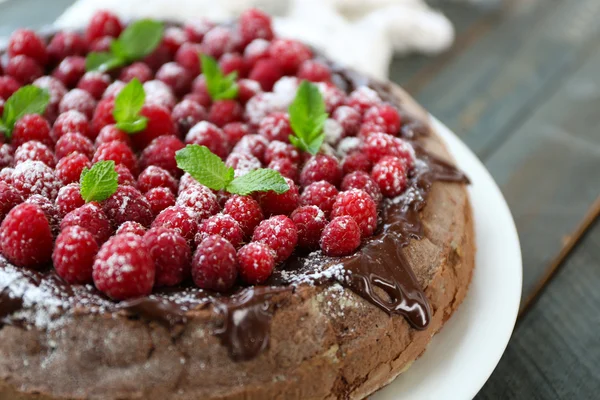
(8, 305)
(161, 310)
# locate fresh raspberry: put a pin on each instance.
(242, 163)
(361, 180)
(90, 217)
(233, 62)
(25, 236)
(285, 167)
(103, 23)
(199, 199)
(321, 168)
(103, 115)
(113, 90)
(74, 254)
(321, 194)
(261, 105)
(56, 90)
(362, 99)
(159, 199)
(23, 69)
(68, 169)
(71, 122)
(137, 70)
(252, 144)
(225, 111)
(171, 254)
(68, 199)
(246, 211)
(379, 145)
(385, 116)
(131, 227)
(9, 198)
(390, 175)
(188, 57)
(310, 222)
(356, 161)
(49, 209)
(214, 266)
(31, 127)
(101, 45)
(200, 92)
(333, 96)
(127, 204)
(196, 29)
(222, 197)
(274, 204)
(180, 218)
(176, 77)
(161, 55)
(235, 131)
(314, 71)
(341, 237)
(65, 44)
(8, 86)
(223, 225)
(70, 70)
(6, 175)
(276, 126)
(256, 262)
(254, 24)
(6, 155)
(218, 41)
(187, 181)
(161, 152)
(266, 72)
(358, 205)
(153, 177)
(173, 38)
(35, 151)
(159, 123)
(124, 268)
(95, 83)
(256, 50)
(247, 88)
(207, 134)
(118, 152)
(125, 177)
(72, 142)
(27, 43)
(348, 118)
(289, 54)
(110, 133)
(278, 149)
(280, 234)
(79, 100)
(186, 114)
(35, 177)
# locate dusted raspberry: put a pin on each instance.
(173, 38)
(235, 131)
(103, 115)
(35, 177)
(70, 70)
(101, 44)
(171, 254)
(125, 176)
(23, 69)
(385, 116)
(90, 217)
(242, 163)
(56, 90)
(188, 57)
(362, 99)
(214, 266)
(206, 134)
(199, 199)
(247, 88)
(31, 127)
(72, 142)
(176, 77)
(256, 262)
(103, 23)
(361, 180)
(356, 161)
(274, 204)
(71, 122)
(321, 194)
(74, 254)
(379, 145)
(124, 268)
(233, 62)
(118, 152)
(6, 155)
(321, 168)
(95, 83)
(8, 86)
(218, 41)
(68, 169)
(6, 175)
(252, 144)
(113, 90)
(186, 114)
(68, 199)
(266, 72)
(127, 204)
(278, 149)
(200, 92)
(314, 71)
(222, 197)
(196, 29)
(223, 225)
(131, 227)
(285, 167)
(333, 96)
(158, 57)
(110, 133)
(79, 100)
(159, 199)
(9, 198)
(358, 205)
(276, 126)
(34, 151)
(280, 234)
(159, 123)
(64, 44)
(256, 50)
(49, 209)
(260, 106)
(187, 181)
(310, 222)
(161, 152)
(289, 54)
(225, 111)
(341, 237)
(153, 177)
(246, 211)
(254, 24)
(390, 175)
(25, 236)
(348, 118)
(137, 70)
(180, 218)
(27, 43)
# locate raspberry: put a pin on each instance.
(125, 176)
(233, 62)
(273, 203)
(200, 200)
(261, 105)
(35, 151)
(341, 237)
(196, 29)
(358, 205)
(90, 217)
(161, 55)
(225, 111)
(214, 266)
(103, 23)
(176, 77)
(65, 44)
(187, 57)
(124, 268)
(390, 175)
(79, 100)
(256, 50)
(9, 198)
(256, 263)
(378, 145)
(200, 92)
(31, 127)
(25, 236)
(310, 222)
(118, 152)
(280, 234)
(49, 209)
(361, 180)
(356, 161)
(348, 118)
(27, 43)
(70, 70)
(180, 218)
(159, 199)
(69, 169)
(161, 152)
(384, 116)
(23, 69)
(289, 54)
(56, 90)
(35, 177)
(187, 181)
(278, 149)
(186, 114)
(285, 167)
(246, 211)
(252, 144)
(113, 90)
(223, 225)
(159, 123)
(173, 38)
(101, 44)
(171, 254)
(95, 83)
(247, 88)
(68, 199)
(6, 175)
(362, 99)
(71, 122)
(131, 227)
(218, 41)
(6, 155)
(72, 142)
(103, 115)
(110, 133)
(127, 204)
(206, 134)
(321, 194)
(333, 131)
(8, 86)
(153, 177)
(333, 96)
(222, 197)
(242, 163)
(235, 131)
(321, 168)
(137, 70)
(74, 254)
(276, 126)
(314, 71)
(266, 72)
(254, 24)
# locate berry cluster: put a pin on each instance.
(161, 226)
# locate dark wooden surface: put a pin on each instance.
(521, 86)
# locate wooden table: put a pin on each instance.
(521, 86)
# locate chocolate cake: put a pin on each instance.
(340, 315)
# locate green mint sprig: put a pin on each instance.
(27, 100)
(219, 86)
(307, 117)
(138, 40)
(208, 169)
(128, 104)
(99, 182)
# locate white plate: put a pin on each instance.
(461, 358)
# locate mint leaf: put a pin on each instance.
(27, 100)
(102, 61)
(128, 104)
(219, 87)
(99, 182)
(258, 180)
(204, 166)
(307, 117)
